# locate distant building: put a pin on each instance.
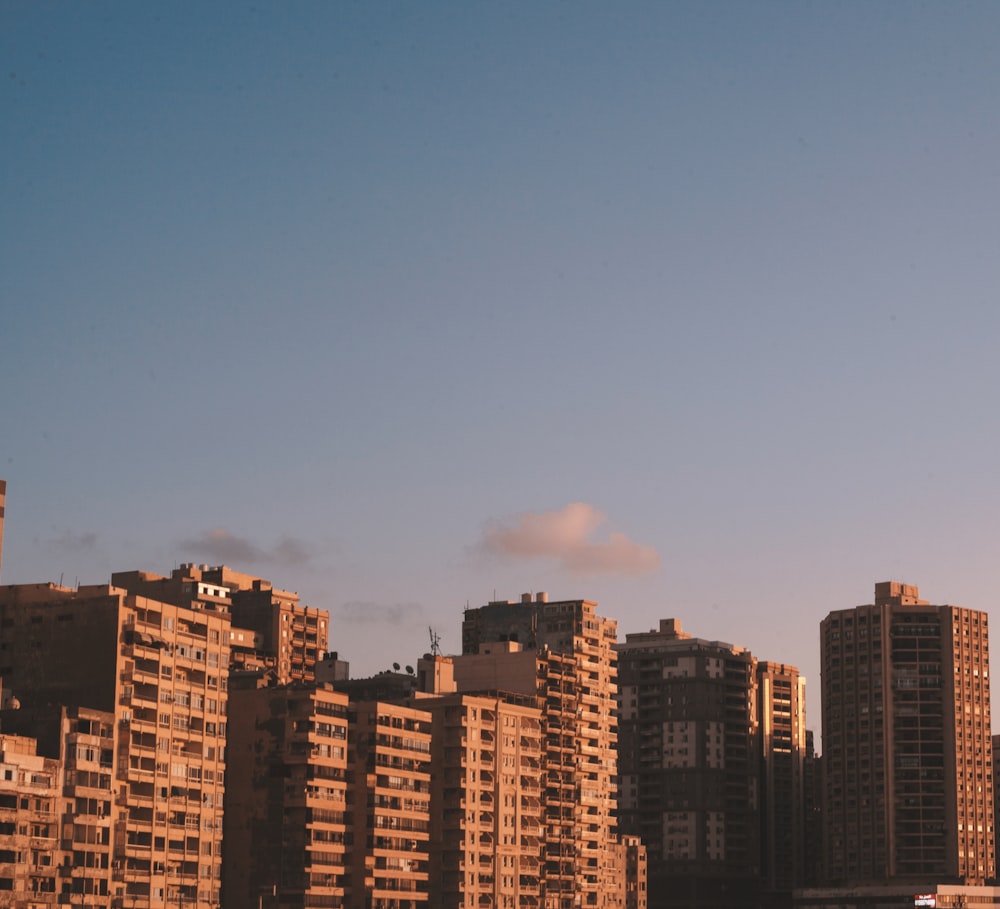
(390, 768)
(907, 743)
(488, 825)
(30, 803)
(161, 670)
(690, 764)
(812, 871)
(287, 824)
(89, 814)
(781, 700)
(562, 653)
(270, 630)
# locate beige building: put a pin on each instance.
(390, 767)
(29, 825)
(907, 742)
(270, 630)
(89, 817)
(562, 653)
(162, 670)
(487, 831)
(286, 819)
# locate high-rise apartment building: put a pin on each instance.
(270, 630)
(563, 653)
(161, 670)
(781, 714)
(389, 763)
(286, 818)
(89, 818)
(906, 742)
(29, 824)
(690, 764)
(487, 833)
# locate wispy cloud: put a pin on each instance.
(361, 612)
(74, 542)
(570, 537)
(219, 545)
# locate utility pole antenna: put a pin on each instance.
(435, 641)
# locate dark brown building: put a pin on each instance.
(907, 742)
(690, 767)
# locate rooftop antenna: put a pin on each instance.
(435, 641)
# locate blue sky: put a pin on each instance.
(691, 309)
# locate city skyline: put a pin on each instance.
(686, 310)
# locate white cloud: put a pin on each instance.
(568, 536)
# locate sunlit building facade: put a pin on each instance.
(781, 713)
(162, 671)
(488, 829)
(563, 653)
(287, 825)
(30, 872)
(271, 629)
(907, 742)
(390, 770)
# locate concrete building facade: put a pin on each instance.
(690, 766)
(781, 711)
(389, 763)
(907, 742)
(287, 825)
(29, 825)
(563, 653)
(270, 630)
(162, 671)
(487, 829)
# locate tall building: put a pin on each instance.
(563, 653)
(270, 630)
(781, 699)
(389, 763)
(286, 818)
(29, 824)
(487, 834)
(89, 816)
(906, 738)
(690, 764)
(161, 670)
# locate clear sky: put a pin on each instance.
(688, 308)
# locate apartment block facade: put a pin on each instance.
(271, 629)
(487, 830)
(287, 827)
(690, 766)
(563, 653)
(29, 824)
(781, 713)
(90, 820)
(907, 742)
(161, 670)
(390, 772)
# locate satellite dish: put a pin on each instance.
(409, 670)
(395, 666)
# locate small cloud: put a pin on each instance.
(360, 612)
(221, 546)
(290, 551)
(568, 536)
(74, 542)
